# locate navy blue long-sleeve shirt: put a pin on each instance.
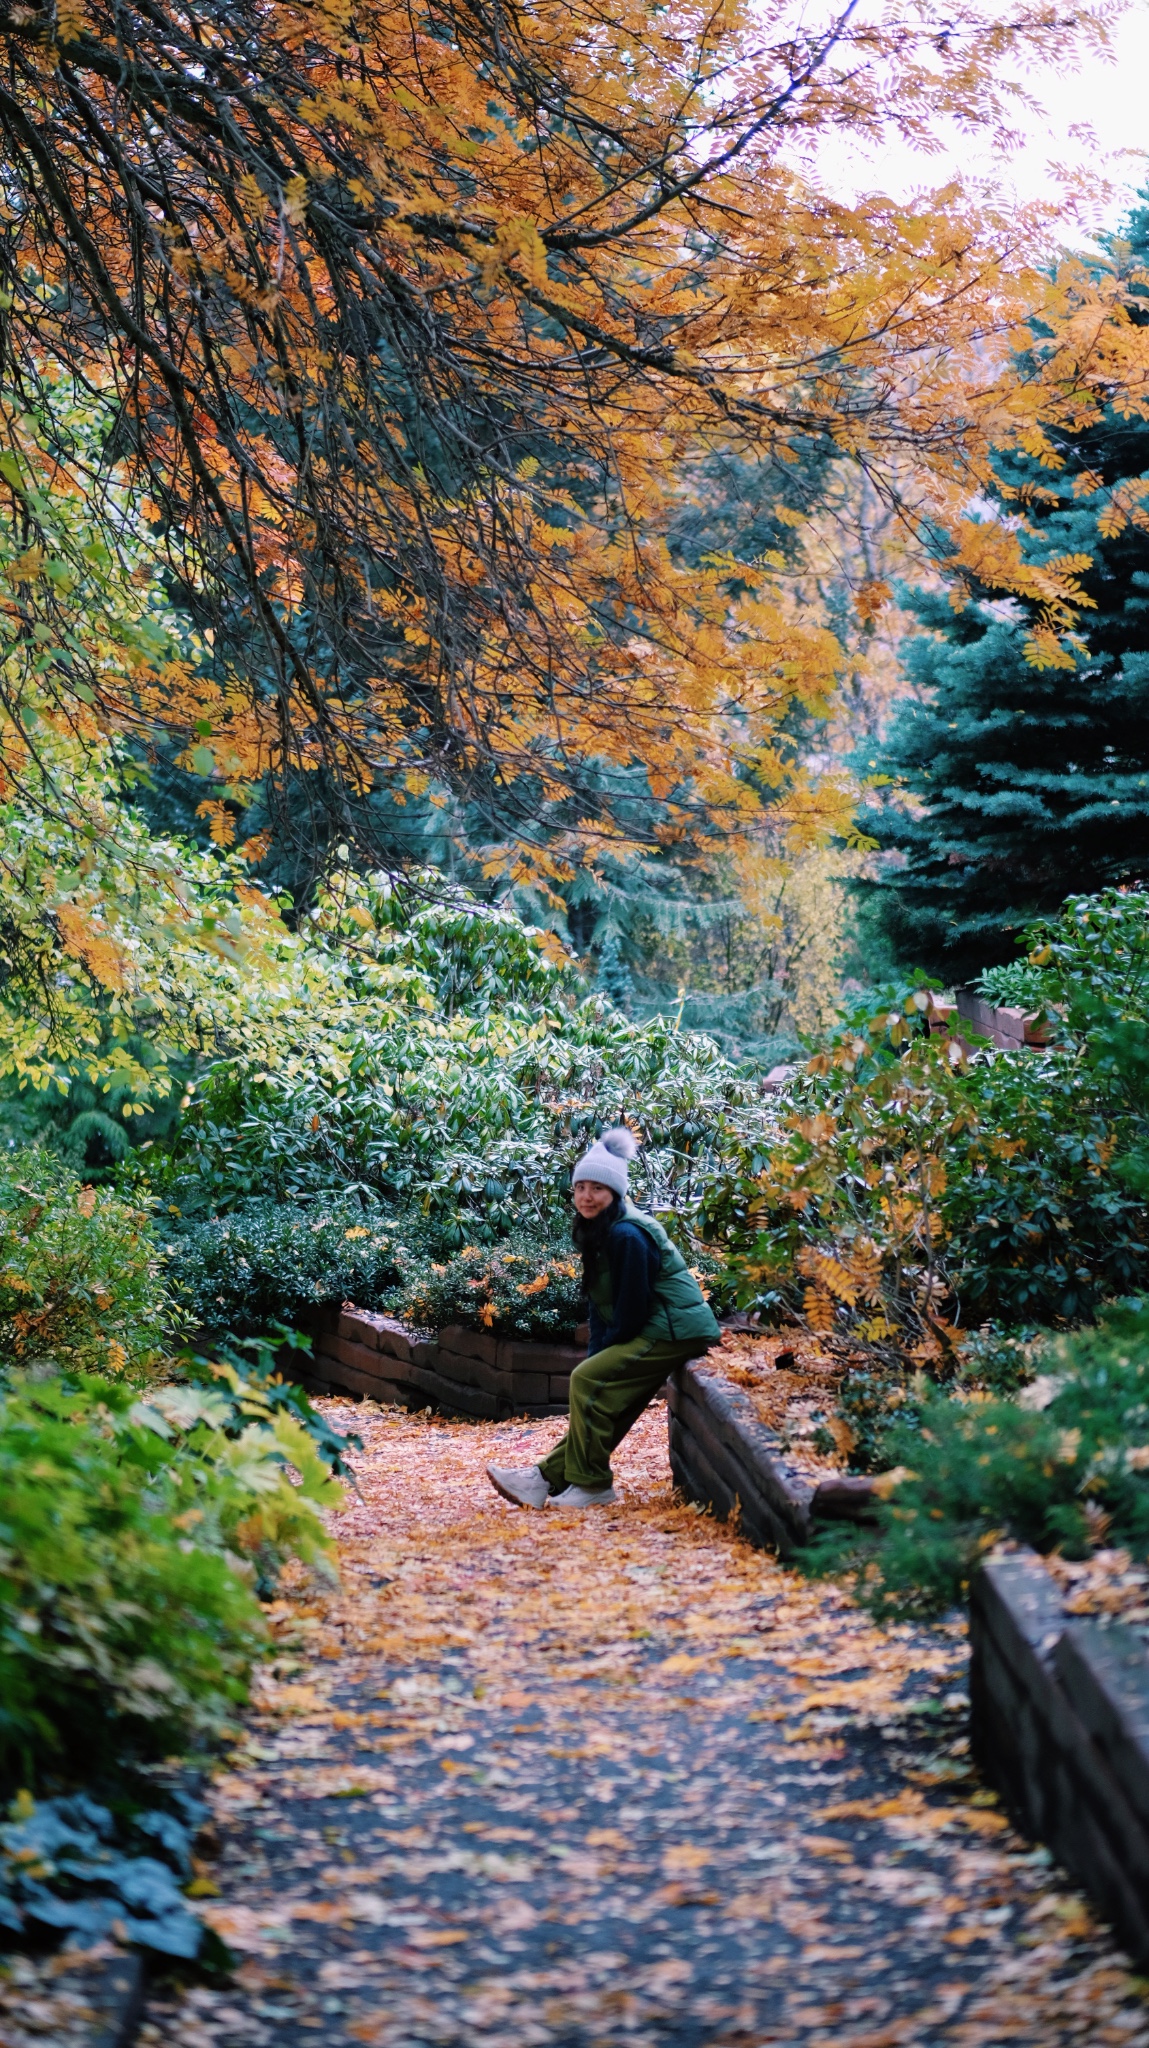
(633, 1261)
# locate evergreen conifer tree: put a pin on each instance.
(1034, 781)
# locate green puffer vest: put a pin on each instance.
(681, 1314)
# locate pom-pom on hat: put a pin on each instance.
(608, 1160)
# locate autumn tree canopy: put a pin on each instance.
(407, 324)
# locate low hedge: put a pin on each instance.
(144, 1504)
(523, 1287)
(271, 1262)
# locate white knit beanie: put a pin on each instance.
(608, 1160)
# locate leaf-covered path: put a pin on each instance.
(616, 1780)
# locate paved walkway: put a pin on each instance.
(616, 1781)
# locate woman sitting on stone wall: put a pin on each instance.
(647, 1315)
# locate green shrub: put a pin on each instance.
(881, 1406)
(230, 1437)
(1088, 962)
(117, 1630)
(270, 1262)
(473, 1122)
(914, 1192)
(132, 1535)
(1000, 1362)
(458, 1079)
(917, 1193)
(1018, 984)
(980, 1472)
(466, 955)
(877, 1409)
(250, 1367)
(1065, 1467)
(1096, 950)
(93, 1123)
(520, 1288)
(81, 1283)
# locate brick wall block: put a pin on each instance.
(518, 1354)
(454, 1398)
(976, 1011)
(720, 1451)
(364, 1327)
(341, 1378)
(362, 1357)
(530, 1387)
(470, 1343)
(458, 1370)
(1105, 1675)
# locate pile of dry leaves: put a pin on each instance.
(1108, 1586)
(793, 1382)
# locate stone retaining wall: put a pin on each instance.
(1060, 1725)
(722, 1455)
(459, 1372)
(1006, 1026)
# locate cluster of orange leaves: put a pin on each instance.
(419, 349)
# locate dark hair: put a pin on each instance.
(589, 1236)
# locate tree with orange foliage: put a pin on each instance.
(411, 322)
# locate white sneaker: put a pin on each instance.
(581, 1497)
(524, 1484)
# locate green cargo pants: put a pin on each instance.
(609, 1391)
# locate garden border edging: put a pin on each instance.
(1059, 1721)
(721, 1455)
(1009, 1028)
(460, 1372)
(113, 1988)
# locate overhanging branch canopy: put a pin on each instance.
(413, 319)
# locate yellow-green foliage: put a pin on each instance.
(229, 1449)
(813, 910)
(133, 1533)
(80, 1274)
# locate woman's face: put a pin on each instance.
(591, 1198)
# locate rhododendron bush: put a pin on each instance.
(447, 1093)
